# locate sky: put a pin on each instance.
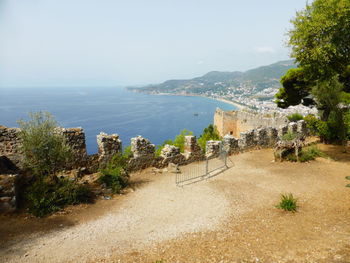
(89, 43)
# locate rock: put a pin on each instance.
(213, 148)
(169, 151)
(108, 146)
(230, 144)
(142, 147)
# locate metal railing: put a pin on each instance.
(203, 170)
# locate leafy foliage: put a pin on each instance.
(295, 87)
(311, 123)
(209, 133)
(320, 38)
(115, 175)
(320, 45)
(306, 154)
(46, 196)
(295, 117)
(179, 141)
(45, 150)
(288, 203)
(289, 136)
(310, 153)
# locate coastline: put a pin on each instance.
(237, 105)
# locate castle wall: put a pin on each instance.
(143, 150)
(236, 122)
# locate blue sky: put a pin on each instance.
(56, 43)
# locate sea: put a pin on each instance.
(111, 110)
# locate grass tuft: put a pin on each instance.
(288, 203)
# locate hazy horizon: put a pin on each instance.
(49, 43)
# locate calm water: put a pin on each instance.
(112, 111)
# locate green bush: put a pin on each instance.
(209, 133)
(306, 154)
(330, 130)
(179, 141)
(288, 203)
(311, 123)
(115, 175)
(310, 153)
(295, 117)
(289, 136)
(45, 150)
(127, 153)
(45, 196)
(160, 147)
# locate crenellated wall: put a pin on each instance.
(142, 149)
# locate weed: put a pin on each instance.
(288, 203)
(295, 117)
(289, 136)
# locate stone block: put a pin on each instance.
(230, 144)
(108, 146)
(213, 148)
(142, 147)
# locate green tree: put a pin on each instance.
(179, 140)
(320, 45)
(320, 39)
(45, 149)
(209, 133)
(295, 88)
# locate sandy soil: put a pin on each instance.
(229, 218)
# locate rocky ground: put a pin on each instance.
(229, 218)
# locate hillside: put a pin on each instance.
(260, 82)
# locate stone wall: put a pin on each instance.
(236, 122)
(142, 149)
(10, 145)
(75, 138)
(8, 192)
(108, 146)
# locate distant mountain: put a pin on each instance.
(261, 81)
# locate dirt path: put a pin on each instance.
(229, 218)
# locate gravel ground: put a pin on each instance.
(156, 211)
(228, 218)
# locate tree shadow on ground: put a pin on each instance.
(17, 227)
(335, 152)
(138, 183)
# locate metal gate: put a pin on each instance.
(199, 171)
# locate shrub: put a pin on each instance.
(209, 133)
(289, 136)
(305, 155)
(295, 117)
(45, 150)
(127, 153)
(179, 141)
(115, 176)
(288, 203)
(45, 196)
(311, 123)
(160, 147)
(310, 153)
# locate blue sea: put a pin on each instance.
(111, 110)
